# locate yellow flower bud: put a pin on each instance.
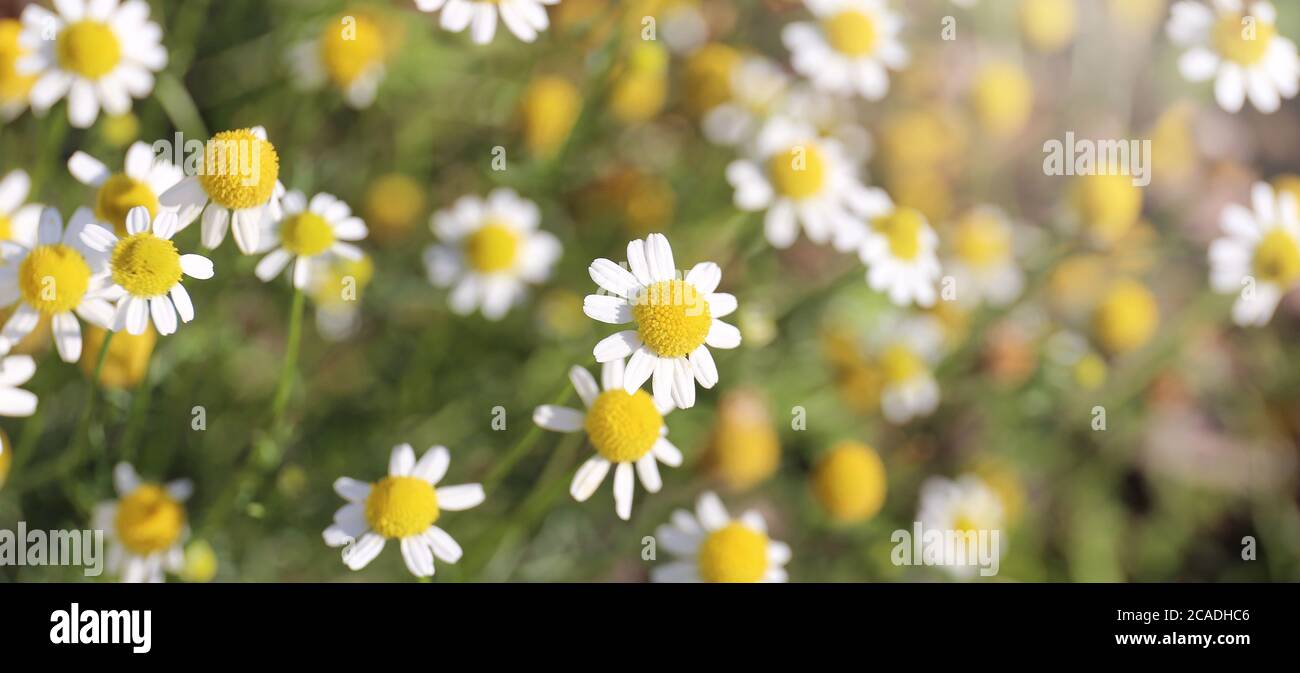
(550, 107)
(849, 482)
(744, 449)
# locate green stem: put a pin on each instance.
(285, 385)
(77, 455)
(521, 448)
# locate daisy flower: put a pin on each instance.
(965, 506)
(983, 260)
(625, 428)
(899, 250)
(1258, 258)
(757, 86)
(1236, 43)
(142, 180)
(402, 506)
(103, 54)
(713, 547)
(491, 250)
(524, 18)
(14, 87)
(676, 320)
(849, 48)
(906, 360)
(313, 233)
(350, 54)
(146, 526)
(832, 116)
(237, 180)
(145, 271)
(16, 370)
(18, 220)
(799, 177)
(54, 280)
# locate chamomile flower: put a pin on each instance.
(14, 87)
(18, 219)
(403, 506)
(237, 186)
(16, 370)
(899, 250)
(491, 251)
(710, 546)
(311, 234)
(350, 54)
(850, 48)
(1258, 258)
(625, 428)
(832, 116)
(146, 526)
(145, 271)
(676, 320)
(1236, 43)
(524, 18)
(104, 53)
(142, 180)
(964, 506)
(907, 357)
(54, 280)
(757, 86)
(849, 482)
(800, 177)
(983, 260)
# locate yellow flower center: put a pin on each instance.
(149, 520)
(89, 49)
(13, 87)
(1277, 258)
(53, 278)
(1126, 318)
(239, 169)
(118, 195)
(849, 482)
(145, 265)
(733, 553)
(1109, 205)
(493, 248)
(964, 523)
(623, 427)
(902, 228)
(798, 172)
(399, 507)
(901, 363)
(982, 240)
(1242, 42)
(351, 44)
(6, 229)
(851, 32)
(306, 234)
(672, 318)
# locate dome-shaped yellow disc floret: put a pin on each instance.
(622, 427)
(849, 482)
(672, 318)
(399, 507)
(239, 169)
(733, 553)
(149, 520)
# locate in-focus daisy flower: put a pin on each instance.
(965, 506)
(146, 526)
(145, 271)
(906, 358)
(983, 263)
(625, 428)
(142, 180)
(524, 18)
(1236, 43)
(403, 506)
(103, 54)
(757, 87)
(849, 47)
(849, 482)
(53, 280)
(710, 546)
(16, 370)
(799, 177)
(125, 364)
(14, 88)
(899, 250)
(237, 185)
(1258, 258)
(676, 320)
(744, 449)
(1126, 317)
(311, 234)
(18, 219)
(350, 54)
(491, 250)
